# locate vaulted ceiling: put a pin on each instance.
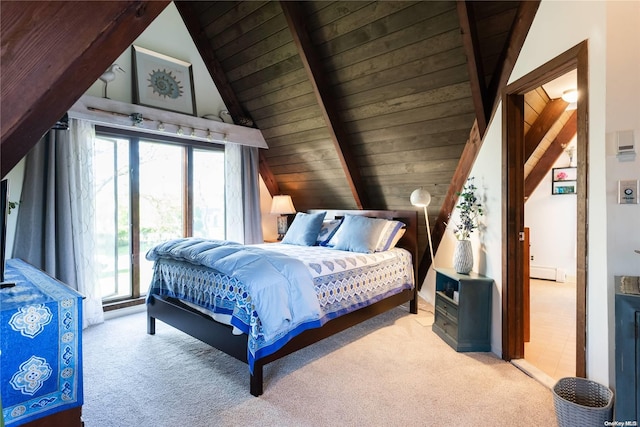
(360, 102)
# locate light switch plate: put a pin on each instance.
(628, 191)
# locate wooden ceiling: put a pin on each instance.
(360, 102)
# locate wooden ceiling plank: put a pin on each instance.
(519, 30)
(192, 22)
(552, 154)
(547, 118)
(326, 100)
(189, 15)
(474, 63)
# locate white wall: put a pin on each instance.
(167, 35)
(552, 223)
(613, 66)
(623, 113)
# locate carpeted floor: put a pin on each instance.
(389, 371)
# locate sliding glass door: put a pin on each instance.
(149, 191)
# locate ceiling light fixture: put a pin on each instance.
(570, 95)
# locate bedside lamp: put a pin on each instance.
(422, 198)
(282, 205)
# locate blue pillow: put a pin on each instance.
(358, 234)
(304, 229)
(328, 229)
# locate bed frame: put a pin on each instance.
(218, 335)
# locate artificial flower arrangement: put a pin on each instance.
(470, 210)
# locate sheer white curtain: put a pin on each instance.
(82, 208)
(56, 221)
(242, 194)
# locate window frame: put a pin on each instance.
(134, 139)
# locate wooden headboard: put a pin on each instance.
(409, 240)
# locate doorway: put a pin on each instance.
(514, 296)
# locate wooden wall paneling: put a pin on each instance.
(283, 100)
(308, 135)
(238, 18)
(303, 146)
(457, 108)
(356, 19)
(296, 21)
(414, 142)
(415, 129)
(256, 91)
(307, 109)
(474, 63)
(40, 86)
(268, 21)
(294, 127)
(433, 98)
(440, 43)
(411, 24)
(267, 45)
(267, 59)
(291, 64)
(325, 13)
(419, 76)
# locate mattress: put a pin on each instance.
(343, 282)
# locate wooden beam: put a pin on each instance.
(51, 53)
(547, 118)
(326, 100)
(521, 24)
(467, 159)
(474, 63)
(550, 156)
(519, 30)
(189, 15)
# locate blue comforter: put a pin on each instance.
(281, 287)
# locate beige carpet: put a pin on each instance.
(389, 371)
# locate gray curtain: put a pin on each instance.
(54, 230)
(251, 195)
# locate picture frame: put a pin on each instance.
(563, 180)
(163, 82)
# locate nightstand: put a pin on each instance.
(464, 322)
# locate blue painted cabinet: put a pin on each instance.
(40, 349)
(627, 404)
(462, 312)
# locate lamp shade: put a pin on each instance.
(282, 205)
(420, 197)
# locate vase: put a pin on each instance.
(463, 257)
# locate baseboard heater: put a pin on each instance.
(547, 273)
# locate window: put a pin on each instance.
(148, 191)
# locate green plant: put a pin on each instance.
(470, 210)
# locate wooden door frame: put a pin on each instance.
(513, 200)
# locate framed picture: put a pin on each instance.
(565, 174)
(563, 180)
(163, 82)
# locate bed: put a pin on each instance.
(216, 299)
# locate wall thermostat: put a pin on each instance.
(628, 191)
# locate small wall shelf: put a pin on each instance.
(563, 180)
